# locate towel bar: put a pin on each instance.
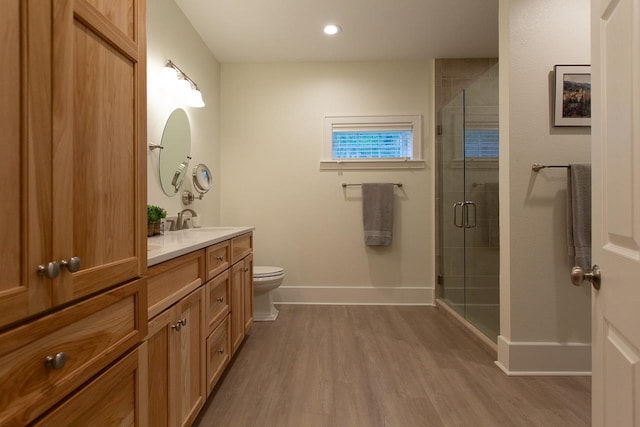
(537, 166)
(345, 185)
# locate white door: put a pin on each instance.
(615, 50)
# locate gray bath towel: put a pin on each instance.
(579, 215)
(377, 213)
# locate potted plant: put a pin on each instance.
(154, 215)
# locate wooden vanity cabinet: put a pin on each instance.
(73, 117)
(241, 291)
(114, 398)
(176, 363)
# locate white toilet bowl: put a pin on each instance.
(265, 280)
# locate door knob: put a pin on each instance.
(50, 271)
(578, 276)
(56, 361)
(72, 264)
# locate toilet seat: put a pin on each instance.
(262, 272)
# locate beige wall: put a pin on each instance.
(171, 36)
(272, 124)
(545, 320)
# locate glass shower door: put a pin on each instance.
(469, 209)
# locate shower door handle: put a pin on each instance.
(465, 209)
(455, 214)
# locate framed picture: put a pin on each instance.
(572, 104)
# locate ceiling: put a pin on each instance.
(291, 30)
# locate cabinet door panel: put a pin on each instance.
(159, 343)
(247, 284)
(190, 350)
(98, 194)
(25, 120)
(237, 302)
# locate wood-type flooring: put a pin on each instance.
(381, 366)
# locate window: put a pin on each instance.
(481, 143)
(372, 142)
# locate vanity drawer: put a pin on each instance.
(218, 353)
(81, 339)
(241, 246)
(111, 399)
(217, 259)
(217, 299)
(172, 280)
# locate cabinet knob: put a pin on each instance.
(245, 269)
(220, 258)
(220, 299)
(50, 271)
(183, 322)
(177, 326)
(72, 264)
(221, 351)
(56, 362)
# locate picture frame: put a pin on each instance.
(572, 95)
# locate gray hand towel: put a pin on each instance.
(579, 215)
(377, 213)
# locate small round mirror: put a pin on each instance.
(202, 179)
(174, 156)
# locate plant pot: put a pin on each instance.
(153, 228)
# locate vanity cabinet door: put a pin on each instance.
(247, 284)
(25, 120)
(237, 304)
(176, 363)
(72, 113)
(98, 133)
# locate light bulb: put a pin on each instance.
(332, 29)
(195, 98)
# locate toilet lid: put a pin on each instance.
(264, 271)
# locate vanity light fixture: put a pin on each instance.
(187, 89)
(332, 29)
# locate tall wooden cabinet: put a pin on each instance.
(72, 222)
(72, 111)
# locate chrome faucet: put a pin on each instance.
(182, 224)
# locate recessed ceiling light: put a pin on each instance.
(332, 29)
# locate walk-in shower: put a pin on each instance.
(469, 239)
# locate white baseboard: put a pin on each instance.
(543, 358)
(341, 295)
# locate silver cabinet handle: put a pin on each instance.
(221, 350)
(594, 276)
(220, 299)
(56, 362)
(177, 326)
(183, 322)
(72, 264)
(455, 215)
(465, 208)
(50, 271)
(220, 258)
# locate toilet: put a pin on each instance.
(265, 280)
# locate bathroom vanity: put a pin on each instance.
(200, 306)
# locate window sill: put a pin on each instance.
(371, 164)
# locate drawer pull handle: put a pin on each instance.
(56, 362)
(220, 258)
(50, 271)
(177, 326)
(72, 264)
(221, 351)
(220, 299)
(245, 269)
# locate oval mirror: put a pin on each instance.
(202, 179)
(174, 156)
